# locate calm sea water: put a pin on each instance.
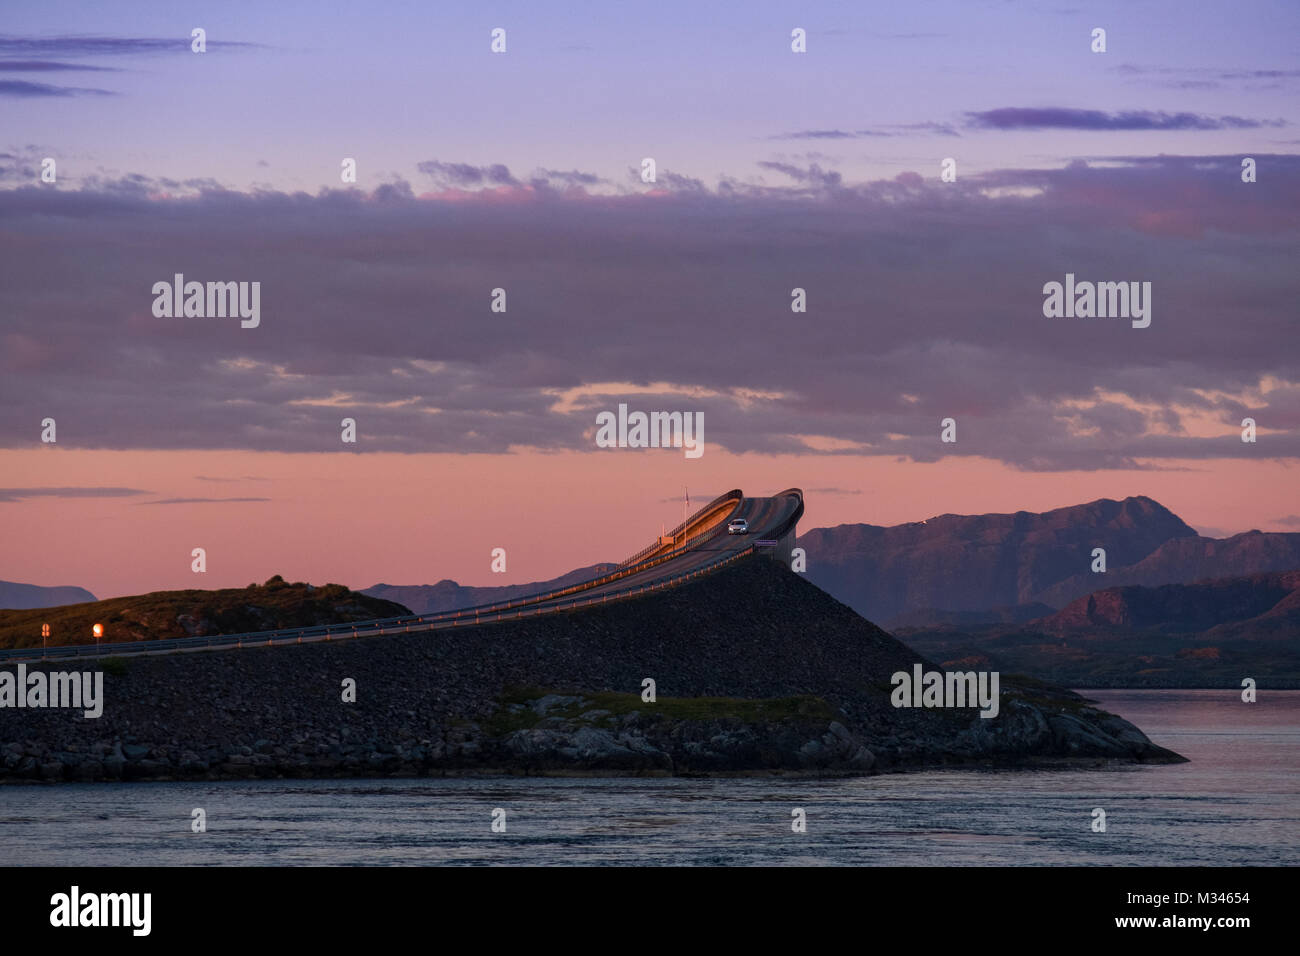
(1236, 803)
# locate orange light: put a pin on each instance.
(99, 630)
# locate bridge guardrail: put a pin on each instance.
(735, 494)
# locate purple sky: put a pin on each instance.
(286, 90)
(776, 170)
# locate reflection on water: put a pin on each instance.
(1235, 803)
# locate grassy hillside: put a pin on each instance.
(169, 614)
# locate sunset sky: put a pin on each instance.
(520, 170)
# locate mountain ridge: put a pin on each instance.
(23, 597)
(978, 562)
(448, 595)
(1209, 633)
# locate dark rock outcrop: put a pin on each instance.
(755, 670)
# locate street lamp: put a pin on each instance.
(45, 632)
(686, 507)
(99, 632)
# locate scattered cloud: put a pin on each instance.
(818, 134)
(811, 174)
(676, 182)
(887, 130)
(197, 501)
(21, 163)
(1206, 78)
(919, 293)
(941, 129)
(51, 66)
(1057, 117)
(78, 45)
(22, 89)
(463, 175)
(572, 177)
(18, 494)
(36, 54)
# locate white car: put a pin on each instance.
(737, 526)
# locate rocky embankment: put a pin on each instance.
(755, 671)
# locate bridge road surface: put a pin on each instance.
(766, 516)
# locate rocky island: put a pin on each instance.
(754, 671)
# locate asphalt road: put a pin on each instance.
(765, 515)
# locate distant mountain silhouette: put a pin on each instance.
(1257, 606)
(971, 570)
(933, 617)
(447, 595)
(21, 597)
(1205, 634)
(982, 562)
(1184, 560)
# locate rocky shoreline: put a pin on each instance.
(635, 744)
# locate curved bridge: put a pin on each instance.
(698, 545)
